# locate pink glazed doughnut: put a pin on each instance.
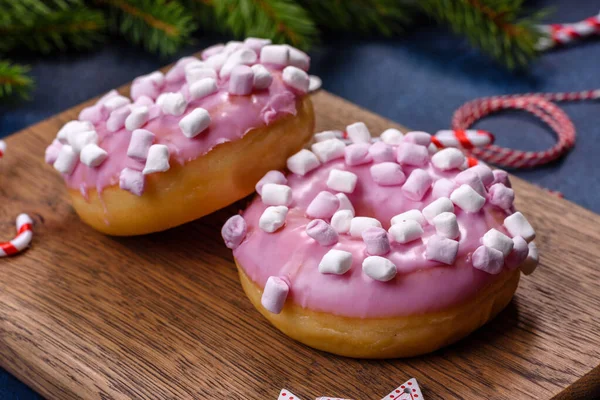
(187, 142)
(380, 250)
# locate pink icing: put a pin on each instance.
(232, 117)
(421, 286)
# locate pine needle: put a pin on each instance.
(14, 80)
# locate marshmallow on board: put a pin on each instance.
(22, 240)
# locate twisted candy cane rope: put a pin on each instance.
(562, 34)
(538, 104)
(2, 148)
(23, 238)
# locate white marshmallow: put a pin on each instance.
(296, 78)
(193, 75)
(216, 61)
(392, 136)
(172, 103)
(78, 140)
(302, 162)
(499, 241)
(359, 224)
(157, 159)
(262, 77)
(66, 161)
(436, 207)
(276, 195)
(73, 127)
(466, 198)
(275, 54)
(232, 46)
(92, 155)
(414, 215)
(203, 88)
(531, 262)
(517, 225)
(298, 58)
(341, 221)
(341, 181)
(141, 140)
(449, 158)
(274, 295)
(358, 133)
(446, 225)
(329, 149)
(336, 262)
(314, 83)
(115, 102)
(239, 57)
(406, 231)
(345, 203)
(270, 177)
(273, 218)
(326, 135)
(138, 117)
(379, 268)
(195, 122)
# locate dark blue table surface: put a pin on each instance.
(417, 80)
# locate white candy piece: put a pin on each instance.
(531, 262)
(298, 58)
(78, 140)
(274, 295)
(296, 78)
(315, 83)
(345, 203)
(274, 194)
(379, 268)
(262, 77)
(216, 61)
(202, 88)
(342, 181)
(329, 149)
(341, 221)
(302, 162)
(138, 117)
(392, 136)
(66, 161)
(499, 241)
(273, 218)
(326, 135)
(92, 155)
(447, 159)
(517, 225)
(115, 102)
(406, 231)
(172, 103)
(336, 262)
(466, 198)
(436, 207)
(195, 122)
(358, 133)
(239, 57)
(197, 73)
(360, 224)
(275, 54)
(157, 159)
(414, 215)
(73, 127)
(446, 225)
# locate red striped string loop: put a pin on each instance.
(539, 104)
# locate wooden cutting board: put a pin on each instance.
(163, 316)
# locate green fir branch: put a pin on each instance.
(280, 20)
(14, 80)
(491, 25)
(44, 26)
(384, 17)
(161, 26)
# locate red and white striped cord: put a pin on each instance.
(2, 148)
(23, 238)
(563, 34)
(538, 104)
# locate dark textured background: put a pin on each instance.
(417, 80)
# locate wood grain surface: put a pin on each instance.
(163, 316)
